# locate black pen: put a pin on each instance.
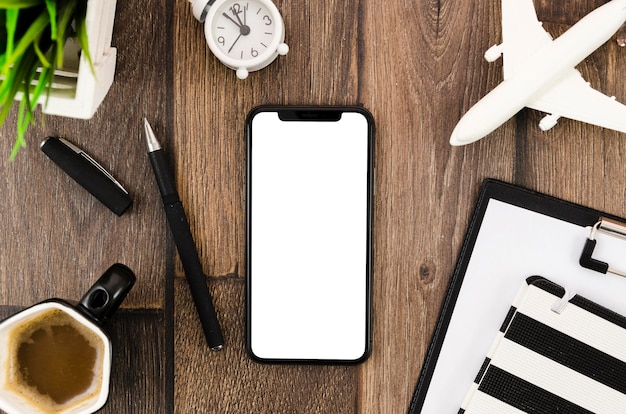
(184, 241)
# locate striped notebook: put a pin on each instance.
(553, 355)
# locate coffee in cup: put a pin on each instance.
(55, 361)
(55, 357)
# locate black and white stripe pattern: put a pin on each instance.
(544, 362)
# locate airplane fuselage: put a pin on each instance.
(539, 72)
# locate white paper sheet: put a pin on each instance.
(514, 243)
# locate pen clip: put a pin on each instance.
(94, 163)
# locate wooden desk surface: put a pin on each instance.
(417, 66)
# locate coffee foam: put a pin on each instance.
(22, 332)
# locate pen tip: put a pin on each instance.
(153, 144)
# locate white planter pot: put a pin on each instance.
(77, 91)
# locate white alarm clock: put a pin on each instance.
(245, 35)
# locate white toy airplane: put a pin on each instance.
(539, 73)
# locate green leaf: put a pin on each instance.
(27, 107)
(81, 32)
(65, 17)
(40, 55)
(16, 79)
(45, 78)
(51, 5)
(11, 26)
(8, 87)
(33, 33)
(20, 142)
(19, 4)
(23, 117)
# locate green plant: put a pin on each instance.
(33, 34)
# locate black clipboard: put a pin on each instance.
(514, 233)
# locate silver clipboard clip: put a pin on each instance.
(610, 227)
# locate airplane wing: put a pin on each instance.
(522, 34)
(573, 98)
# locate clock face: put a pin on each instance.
(246, 30)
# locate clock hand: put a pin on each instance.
(233, 45)
(237, 16)
(243, 29)
(231, 19)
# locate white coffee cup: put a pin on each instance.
(82, 320)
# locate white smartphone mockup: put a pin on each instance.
(309, 234)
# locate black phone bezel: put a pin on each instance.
(313, 114)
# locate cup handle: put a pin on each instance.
(105, 296)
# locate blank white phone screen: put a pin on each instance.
(308, 252)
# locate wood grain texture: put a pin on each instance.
(139, 371)
(229, 382)
(211, 106)
(417, 66)
(57, 239)
(419, 84)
